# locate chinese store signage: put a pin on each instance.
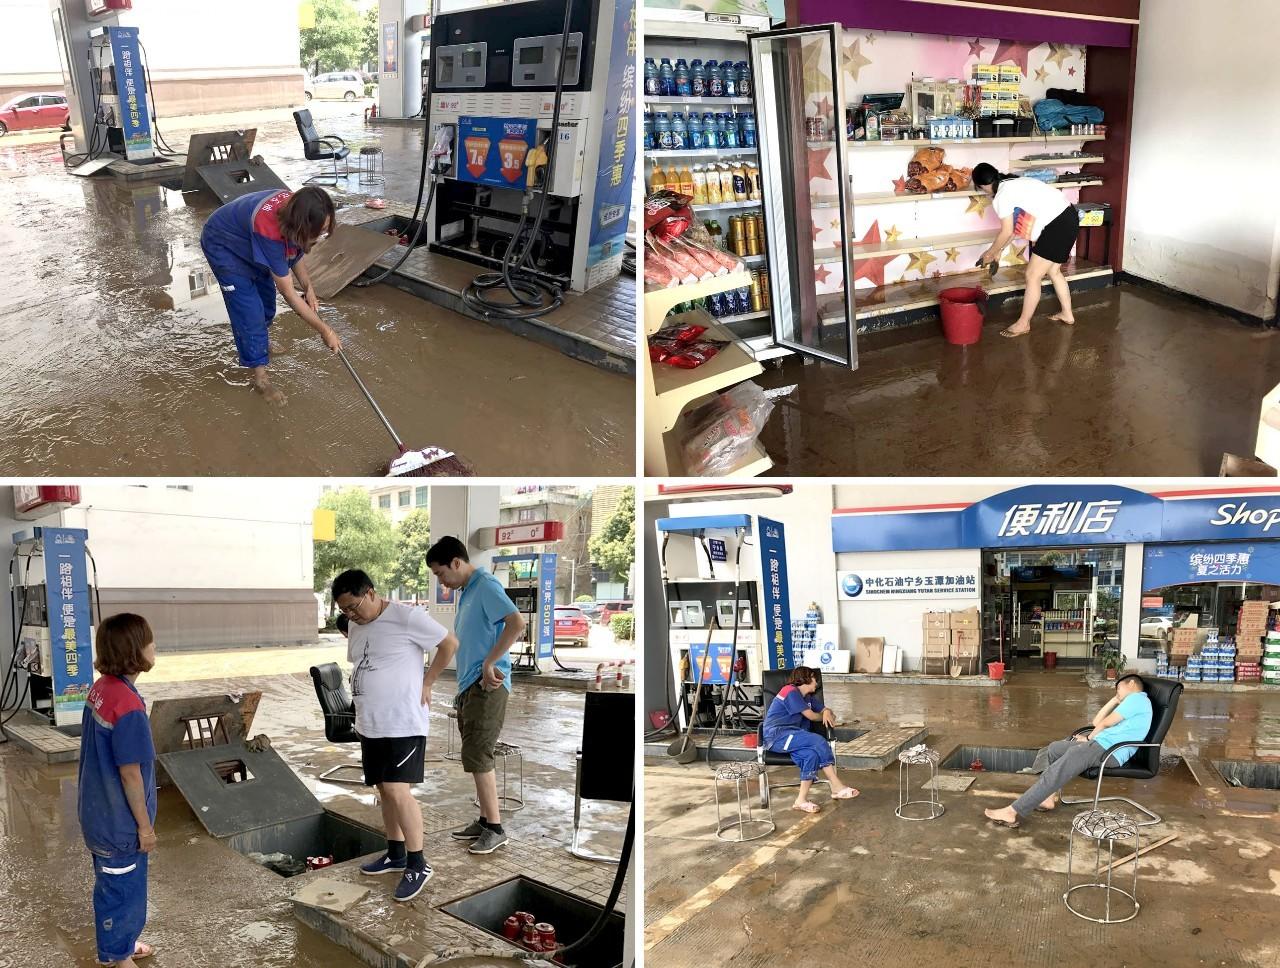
(135, 122)
(867, 586)
(547, 590)
(70, 621)
(1165, 565)
(777, 603)
(617, 142)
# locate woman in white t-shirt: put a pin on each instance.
(1031, 210)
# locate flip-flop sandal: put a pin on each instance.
(1005, 823)
(848, 793)
(806, 807)
(141, 950)
(1007, 334)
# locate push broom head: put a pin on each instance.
(429, 462)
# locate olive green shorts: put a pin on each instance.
(480, 716)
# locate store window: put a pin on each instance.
(384, 502)
(420, 497)
(526, 514)
(1060, 600)
(403, 498)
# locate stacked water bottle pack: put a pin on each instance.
(1271, 658)
(697, 78)
(804, 631)
(690, 129)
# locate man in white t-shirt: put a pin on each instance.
(386, 644)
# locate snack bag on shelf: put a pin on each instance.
(929, 158)
(665, 267)
(667, 214)
(690, 269)
(726, 261)
(721, 432)
(935, 181)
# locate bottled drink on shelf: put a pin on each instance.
(745, 84)
(648, 131)
(679, 132)
(748, 132)
(726, 183)
(755, 190)
(673, 179)
(686, 181)
(714, 195)
(651, 88)
(662, 131)
(699, 185)
(729, 78)
(697, 78)
(683, 87)
(666, 78)
(740, 191)
(694, 124)
(715, 81)
(657, 179)
(730, 130)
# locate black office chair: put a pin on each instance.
(339, 717)
(605, 763)
(317, 148)
(1145, 762)
(771, 683)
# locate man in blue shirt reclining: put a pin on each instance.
(1126, 718)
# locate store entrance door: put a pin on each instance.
(1063, 601)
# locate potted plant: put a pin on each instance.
(1112, 662)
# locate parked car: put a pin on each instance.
(1155, 627)
(47, 109)
(337, 85)
(590, 609)
(609, 609)
(572, 625)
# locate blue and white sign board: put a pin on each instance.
(547, 592)
(1165, 565)
(719, 663)
(70, 621)
(1046, 515)
(876, 586)
(778, 653)
(717, 548)
(617, 142)
(135, 119)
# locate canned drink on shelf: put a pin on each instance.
(816, 128)
(753, 245)
(731, 307)
(547, 935)
(764, 289)
(757, 301)
(751, 226)
(715, 304)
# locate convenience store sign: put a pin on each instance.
(875, 586)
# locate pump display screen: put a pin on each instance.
(471, 58)
(531, 55)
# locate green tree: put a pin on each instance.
(614, 548)
(364, 539)
(369, 39)
(413, 538)
(335, 42)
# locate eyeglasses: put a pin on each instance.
(350, 611)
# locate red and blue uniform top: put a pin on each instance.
(114, 732)
(243, 237)
(786, 712)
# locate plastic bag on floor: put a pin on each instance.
(721, 432)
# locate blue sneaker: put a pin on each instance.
(412, 883)
(383, 865)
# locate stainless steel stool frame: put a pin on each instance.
(1100, 825)
(511, 804)
(744, 773)
(368, 173)
(905, 760)
(451, 753)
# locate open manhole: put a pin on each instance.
(844, 734)
(397, 225)
(283, 848)
(1249, 773)
(571, 916)
(995, 759)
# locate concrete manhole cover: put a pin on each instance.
(952, 783)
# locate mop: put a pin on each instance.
(427, 462)
(733, 648)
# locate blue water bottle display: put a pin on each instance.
(666, 78)
(697, 78)
(694, 124)
(715, 82)
(744, 79)
(748, 130)
(650, 77)
(731, 131)
(649, 143)
(730, 79)
(679, 132)
(683, 88)
(662, 131)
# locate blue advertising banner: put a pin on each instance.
(1165, 565)
(617, 141)
(719, 662)
(777, 602)
(495, 149)
(390, 49)
(135, 119)
(70, 620)
(1045, 515)
(547, 593)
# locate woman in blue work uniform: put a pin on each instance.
(117, 785)
(786, 730)
(252, 245)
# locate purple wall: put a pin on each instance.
(910, 16)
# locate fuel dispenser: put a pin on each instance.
(705, 561)
(530, 581)
(494, 78)
(52, 601)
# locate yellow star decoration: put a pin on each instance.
(893, 234)
(979, 204)
(921, 261)
(854, 61)
(952, 254)
(1058, 53)
(1041, 74)
(1013, 257)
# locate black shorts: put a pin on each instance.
(392, 759)
(1058, 237)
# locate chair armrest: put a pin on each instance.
(1083, 729)
(334, 137)
(1120, 746)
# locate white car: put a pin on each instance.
(1155, 627)
(337, 85)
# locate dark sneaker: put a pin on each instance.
(472, 831)
(412, 883)
(488, 842)
(383, 865)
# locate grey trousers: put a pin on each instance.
(1067, 760)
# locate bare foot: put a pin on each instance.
(1015, 330)
(1005, 816)
(1049, 804)
(1064, 318)
(270, 392)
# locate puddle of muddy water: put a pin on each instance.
(121, 360)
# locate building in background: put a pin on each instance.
(238, 55)
(396, 501)
(207, 567)
(569, 505)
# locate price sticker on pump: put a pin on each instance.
(511, 154)
(505, 167)
(477, 155)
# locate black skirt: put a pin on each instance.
(1059, 237)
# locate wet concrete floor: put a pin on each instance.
(1144, 384)
(854, 884)
(209, 906)
(121, 359)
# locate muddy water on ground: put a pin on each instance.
(121, 358)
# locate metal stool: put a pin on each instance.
(918, 756)
(451, 753)
(371, 168)
(505, 751)
(1100, 825)
(741, 773)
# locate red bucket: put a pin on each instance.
(962, 312)
(995, 670)
(1051, 660)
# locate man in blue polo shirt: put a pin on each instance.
(487, 625)
(1125, 718)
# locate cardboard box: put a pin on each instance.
(937, 643)
(868, 654)
(936, 666)
(937, 621)
(967, 619)
(966, 643)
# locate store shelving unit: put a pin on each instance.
(702, 102)
(669, 391)
(1068, 633)
(947, 142)
(657, 157)
(1022, 164)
